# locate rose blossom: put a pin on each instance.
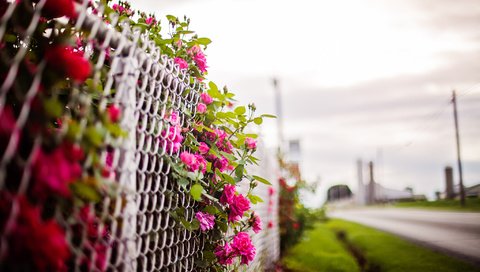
(206, 98)
(64, 60)
(242, 245)
(201, 162)
(99, 242)
(257, 224)
(224, 254)
(271, 190)
(42, 242)
(174, 137)
(201, 108)
(7, 124)
(203, 148)
(238, 207)
(250, 143)
(228, 194)
(201, 61)
(59, 8)
(207, 221)
(114, 113)
(150, 20)
(174, 118)
(221, 163)
(54, 171)
(181, 63)
(189, 160)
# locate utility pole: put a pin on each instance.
(278, 108)
(371, 185)
(459, 160)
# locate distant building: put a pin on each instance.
(338, 192)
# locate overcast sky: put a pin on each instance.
(364, 79)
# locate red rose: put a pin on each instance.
(64, 60)
(114, 113)
(59, 8)
(40, 243)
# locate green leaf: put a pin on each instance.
(10, 38)
(208, 256)
(239, 172)
(211, 209)
(258, 120)
(255, 199)
(262, 180)
(240, 110)
(53, 107)
(94, 135)
(213, 86)
(116, 130)
(73, 130)
(222, 225)
(171, 18)
(85, 191)
(228, 178)
(268, 116)
(196, 191)
(204, 41)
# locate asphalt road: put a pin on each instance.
(454, 233)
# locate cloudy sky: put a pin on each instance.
(364, 79)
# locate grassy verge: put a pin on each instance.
(472, 205)
(385, 252)
(319, 250)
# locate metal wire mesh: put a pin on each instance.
(134, 230)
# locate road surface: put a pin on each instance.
(455, 233)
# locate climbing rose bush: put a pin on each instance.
(72, 167)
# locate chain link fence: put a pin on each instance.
(134, 230)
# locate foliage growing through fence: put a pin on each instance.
(294, 217)
(62, 137)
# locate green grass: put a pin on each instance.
(387, 253)
(319, 250)
(472, 205)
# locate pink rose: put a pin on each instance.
(221, 164)
(228, 194)
(201, 62)
(174, 118)
(250, 143)
(114, 113)
(242, 245)
(207, 99)
(224, 254)
(257, 224)
(203, 148)
(189, 160)
(54, 172)
(201, 162)
(221, 134)
(238, 207)
(181, 63)
(201, 108)
(207, 221)
(271, 191)
(150, 20)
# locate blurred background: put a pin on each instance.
(369, 80)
